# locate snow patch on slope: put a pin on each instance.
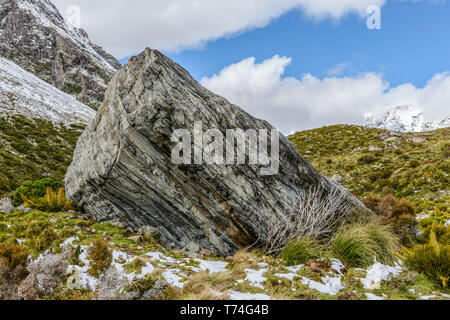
(25, 94)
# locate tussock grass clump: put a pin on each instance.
(51, 202)
(431, 259)
(100, 255)
(358, 244)
(300, 252)
(13, 255)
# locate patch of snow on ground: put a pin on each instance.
(159, 257)
(378, 273)
(81, 278)
(373, 297)
(173, 278)
(423, 217)
(123, 256)
(331, 286)
(289, 276)
(212, 266)
(234, 295)
(256, 277)
(295, 269)
(337, 266)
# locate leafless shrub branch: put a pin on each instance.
(314, 214)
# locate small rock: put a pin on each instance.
(338, 179)
(28, 210)
(194, 256)
(148, 231)
(54, 220)
(418, 140)
(230, 259)
(136, 239)
(6, 206)
(374, 149)
(205, 252)
(391, 139)
(116, 223)
(156, 291)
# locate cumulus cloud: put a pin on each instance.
(294, 104)
(127, 27)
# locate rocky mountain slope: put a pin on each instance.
(34, 35)
(22, 93)
(405, 119)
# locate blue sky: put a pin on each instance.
(298, 64)
(413, 44)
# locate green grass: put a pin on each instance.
(300, 252)
(417, 172)
(432, 258)
(31, 149)
(358, 244)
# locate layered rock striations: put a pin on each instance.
(123, 166)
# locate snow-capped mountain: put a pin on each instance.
(404, 119)
(35, 36)
(25, 94)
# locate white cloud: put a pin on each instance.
(126, 27)
(294, 104)
(338, 69)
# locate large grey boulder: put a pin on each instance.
(122, 166)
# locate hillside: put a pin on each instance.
(35, 36)
(22, 93)
(413, 166)
(32, 149)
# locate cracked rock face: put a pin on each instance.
(122, 167)
(35, 36)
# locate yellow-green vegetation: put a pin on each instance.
(34, 189)
(301, 251)
(432, 258)
(31, 149)
(400, 177)
(100, 255)
(40, 231)
(50, 202)
(357, 244)
(411, 166)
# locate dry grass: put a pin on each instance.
(100, 255)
